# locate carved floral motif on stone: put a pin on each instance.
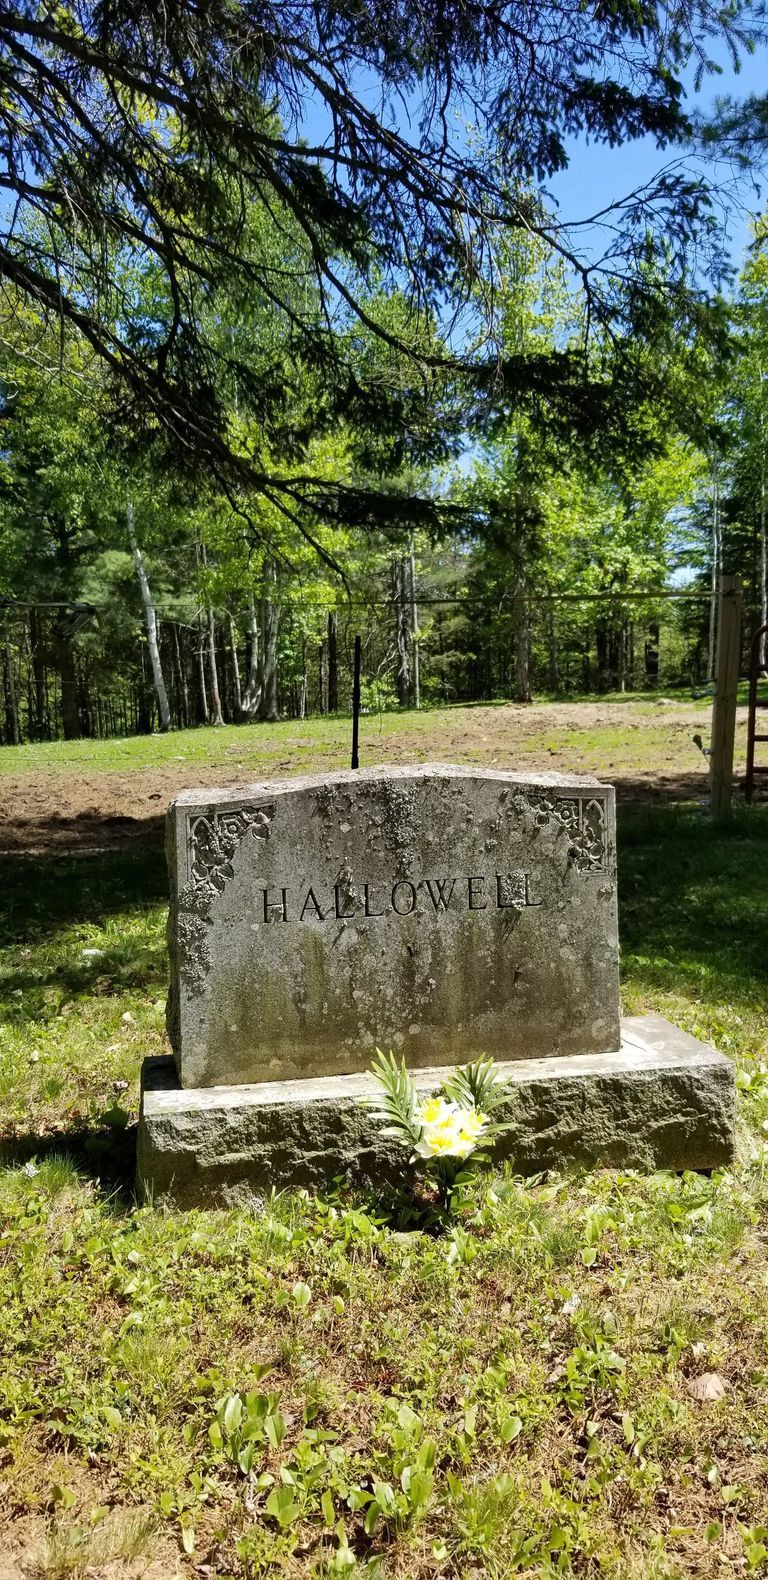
(212, 839)
(583, 818)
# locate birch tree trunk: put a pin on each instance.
(151, 619)
(251, 698)
(218, 717)
(236, 686)
(270, 625)
(201, 669)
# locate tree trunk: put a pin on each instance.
(322, 680)
(553, 668)
(236, 686)
(621, 658)
(270, 625)
(715, 579)
(652, 655)
(304, 686)
(401, 632)
(416, 674)
(333, 665)
(11, 705)
(70, 712)
(218, 717)
(151, 619)
(201, 670)
(251, 697)
(42, 722)
(181, 679)
(522, 646)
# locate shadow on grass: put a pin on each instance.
(693, 901)
(106, 1155)
(41, 894)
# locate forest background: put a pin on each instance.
(565, 538)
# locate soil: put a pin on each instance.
(648, 753)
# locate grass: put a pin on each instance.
(302, 739)
(516, 1396)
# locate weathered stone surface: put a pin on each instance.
(663, 1100)
(443, 912)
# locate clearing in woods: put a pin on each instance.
(96, 794)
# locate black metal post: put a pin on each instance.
(356, 705)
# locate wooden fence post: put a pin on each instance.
(724, 706)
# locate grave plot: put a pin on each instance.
(441, 912)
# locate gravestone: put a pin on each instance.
(437, 911)
(441, 912)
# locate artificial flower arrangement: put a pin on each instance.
(449, 1132)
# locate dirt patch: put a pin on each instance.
(647, 752)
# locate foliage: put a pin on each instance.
(448, 1132)
(153, 209)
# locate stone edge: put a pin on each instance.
(661, 1101)
(257, 789)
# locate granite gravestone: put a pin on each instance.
(437, 911)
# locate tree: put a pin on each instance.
(132, 131)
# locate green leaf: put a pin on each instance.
(394, 1105)
(385, 1497)
(302, 1294)
(420, 1489)
(328, 1511)
(511, 1428)
(112, 1416)
(372, 1517)
(63, 1496)
(233, 1413)
(274, 1427)
(478, 1085)
(407, 1418)
(282, 1506)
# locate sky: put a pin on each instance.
(598, 175)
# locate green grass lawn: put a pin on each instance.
(323, 1390)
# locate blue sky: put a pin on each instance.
(598, 175)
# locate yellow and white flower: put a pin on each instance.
(448, 1130)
